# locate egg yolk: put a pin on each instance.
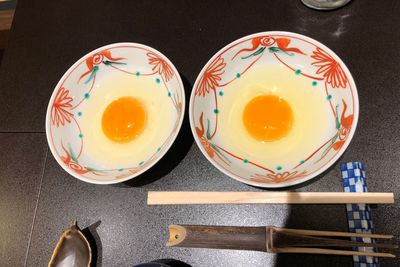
(267, 117)
(123, 119)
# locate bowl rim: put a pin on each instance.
(308, 176)
(158, 158)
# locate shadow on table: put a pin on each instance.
(175, 154)
(93, 238)
(164, 263)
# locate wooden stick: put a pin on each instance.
(333, 252)
(182, 197)
(286, 239)
(217, 237)
(331, 233)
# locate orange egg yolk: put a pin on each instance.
(267, 117)
(123, 119)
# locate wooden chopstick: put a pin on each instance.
(289, 239)
(333, 252)
(190, 197)
(332, 233)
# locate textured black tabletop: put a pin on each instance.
(38, 199)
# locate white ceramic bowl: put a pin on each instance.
(306, 59)
(78, 86)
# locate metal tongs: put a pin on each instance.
(276, 240)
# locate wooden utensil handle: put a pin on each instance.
(222, 237)
(182, 197)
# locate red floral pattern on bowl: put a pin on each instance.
(300, 54)
(63, 128)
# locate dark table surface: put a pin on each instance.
(38, 199)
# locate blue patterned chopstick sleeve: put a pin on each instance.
(358, 215)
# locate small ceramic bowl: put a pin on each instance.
(77, 87)
(309, 61)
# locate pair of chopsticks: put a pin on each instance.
(274, 240)
(182, 197)
(284, 240)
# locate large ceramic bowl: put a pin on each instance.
(309, 62)
(79, 86)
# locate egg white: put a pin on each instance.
(310, 116)
(106, 154)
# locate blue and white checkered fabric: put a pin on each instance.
(358, 215)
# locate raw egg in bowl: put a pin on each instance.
(115, 113)
(274, 109)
